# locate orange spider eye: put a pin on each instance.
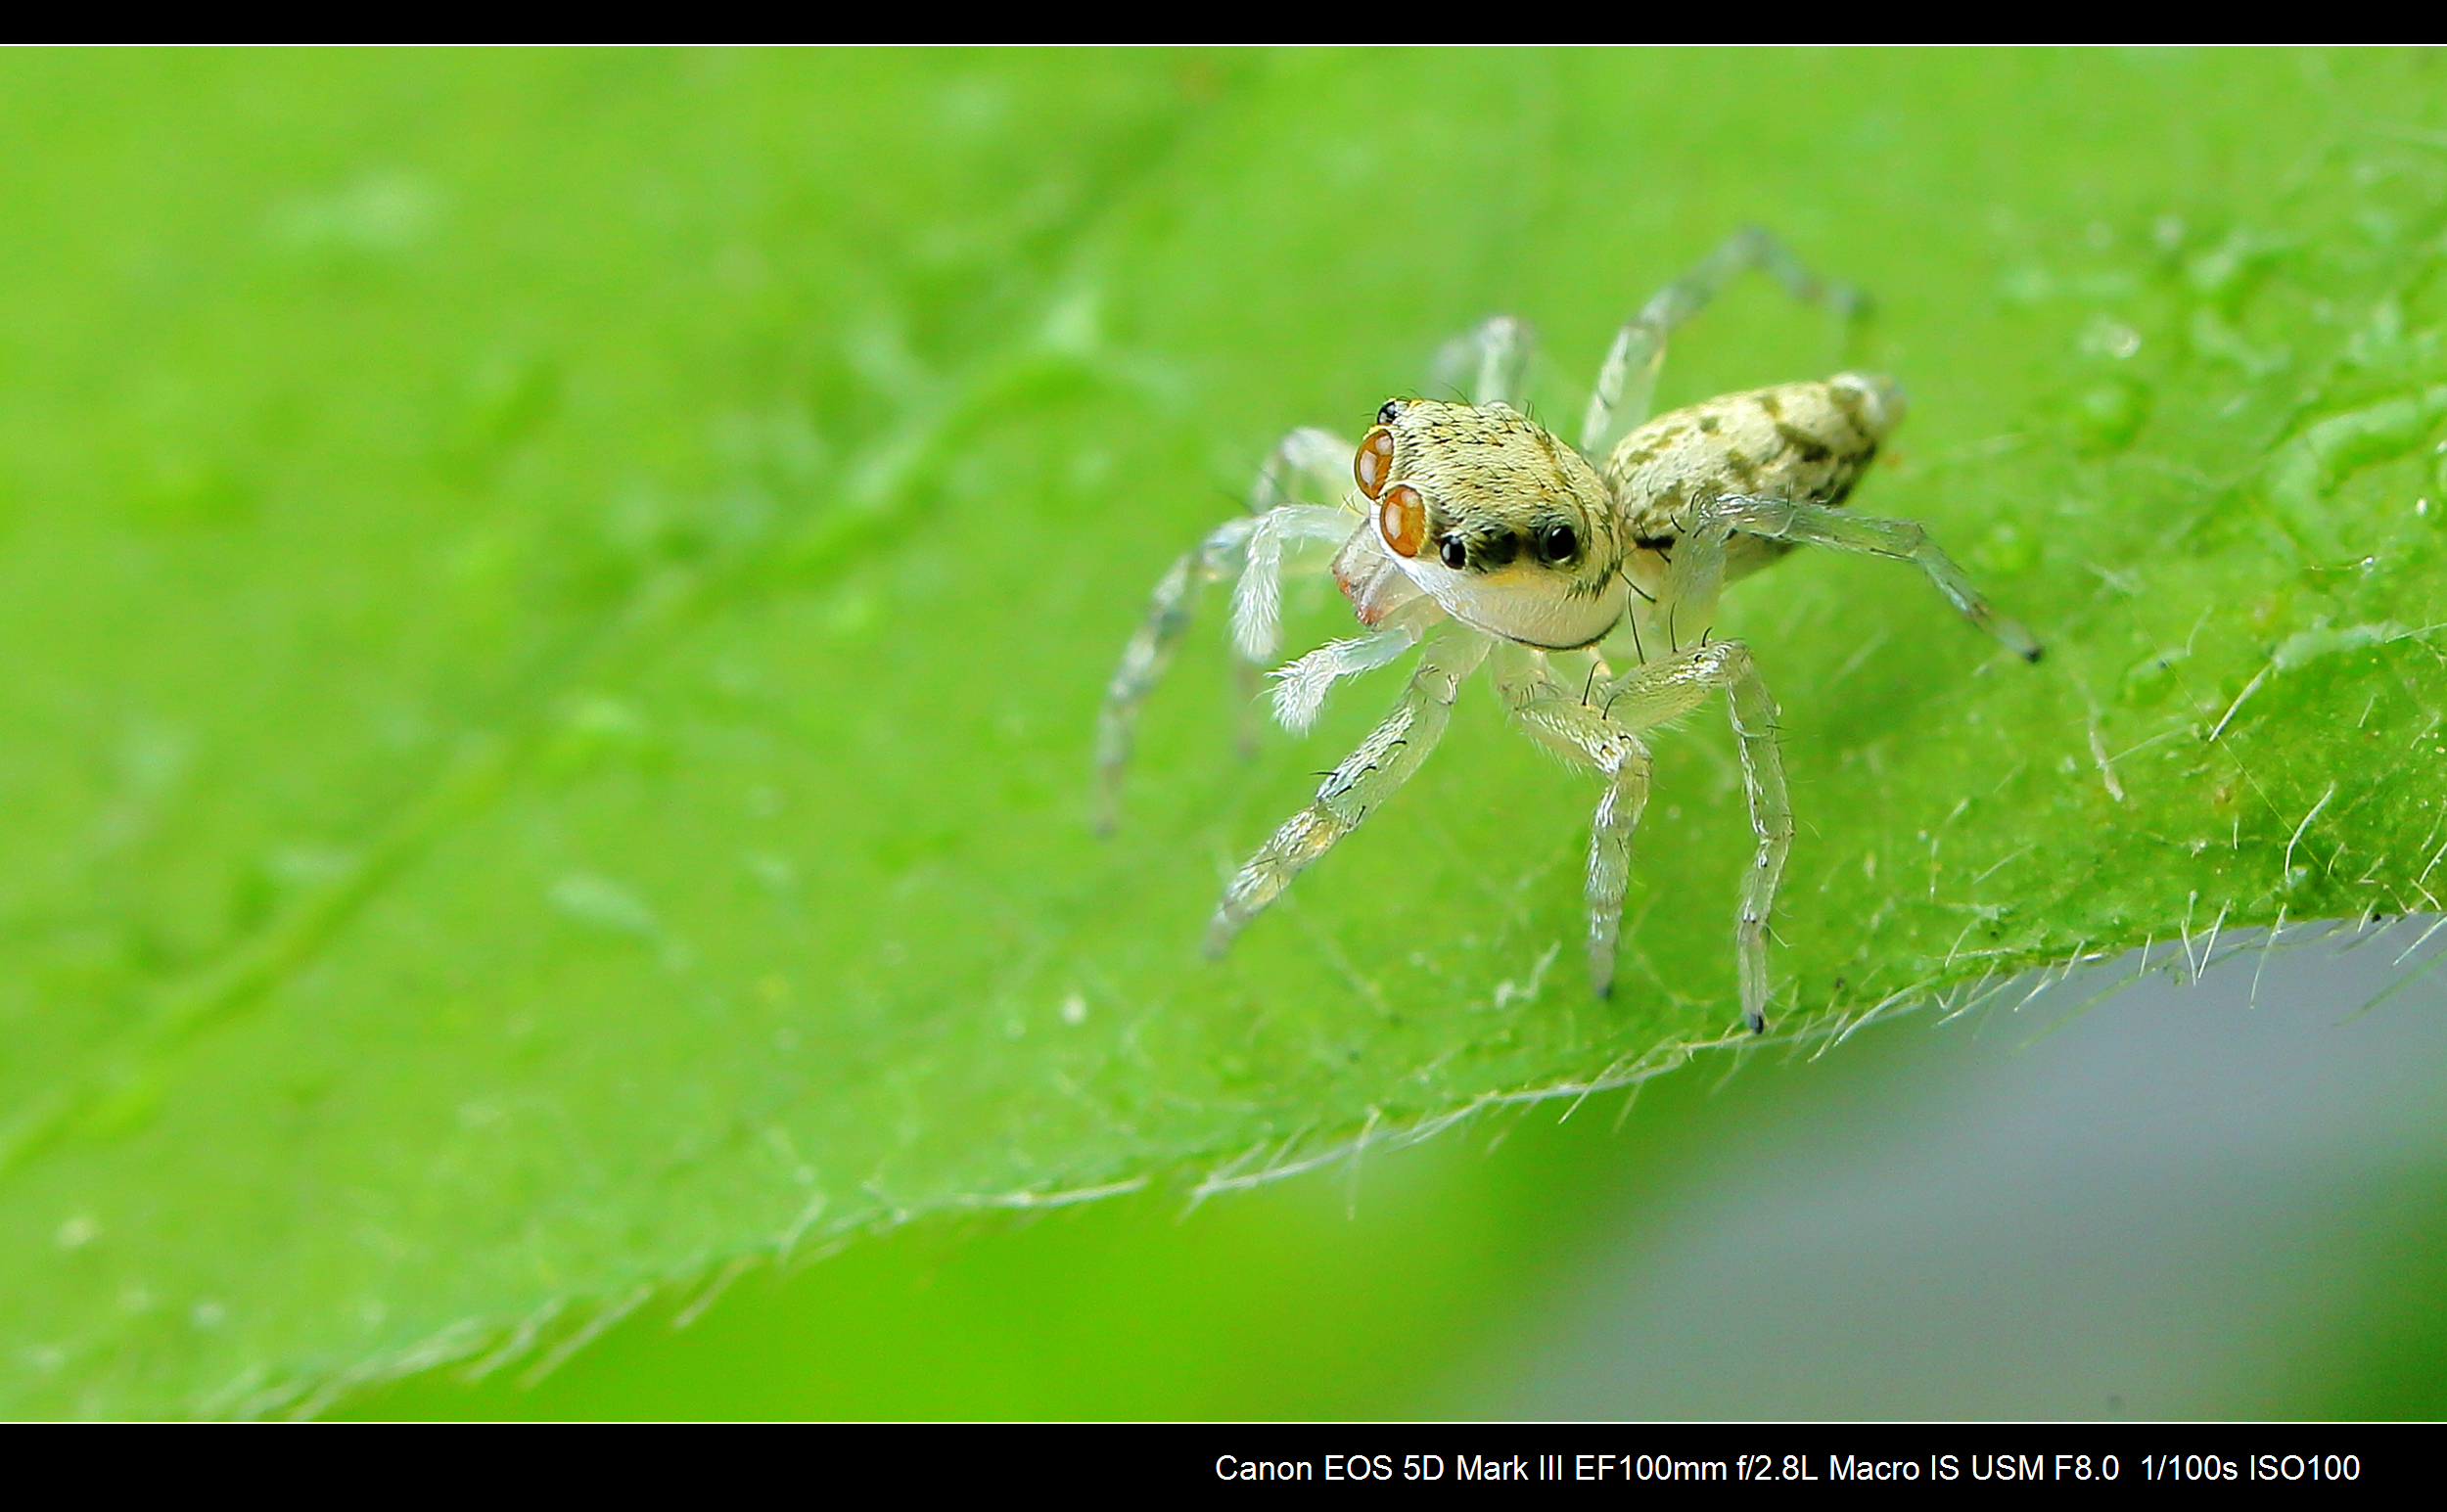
(1374, 461)
(1402, 518)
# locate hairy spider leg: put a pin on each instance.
(1352, 791)
(1308, 463)
(1628, 379)
(1301, 686)
(1583, 733)
(1307, 455)
(1258, 598)
(1150, 650)
(1665, 690)
(1817, 524)
(1491, 363)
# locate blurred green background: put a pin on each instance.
(555, 604)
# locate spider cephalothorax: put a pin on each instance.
(1475, 533)
(1505, 527)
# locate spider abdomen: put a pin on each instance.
(1807, 442)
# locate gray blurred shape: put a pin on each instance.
(2149, 1201)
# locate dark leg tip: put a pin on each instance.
(2033, 654)
(1756, 1023)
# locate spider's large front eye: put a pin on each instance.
(1402, 518)
(1374, 461)
(1559, 543)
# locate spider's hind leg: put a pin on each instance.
(1628, 379)
(1490, 364)
(1899, 540)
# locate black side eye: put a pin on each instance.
(1386, 411)
(1453, 553)
(1559, 543)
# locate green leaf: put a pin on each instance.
(558, 605)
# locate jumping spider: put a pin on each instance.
(1476, 535)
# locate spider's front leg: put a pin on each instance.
(1320, 461)
(1352, 791)
(1251, 548)
(1581, 732)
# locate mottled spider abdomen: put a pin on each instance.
(1809, 442)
